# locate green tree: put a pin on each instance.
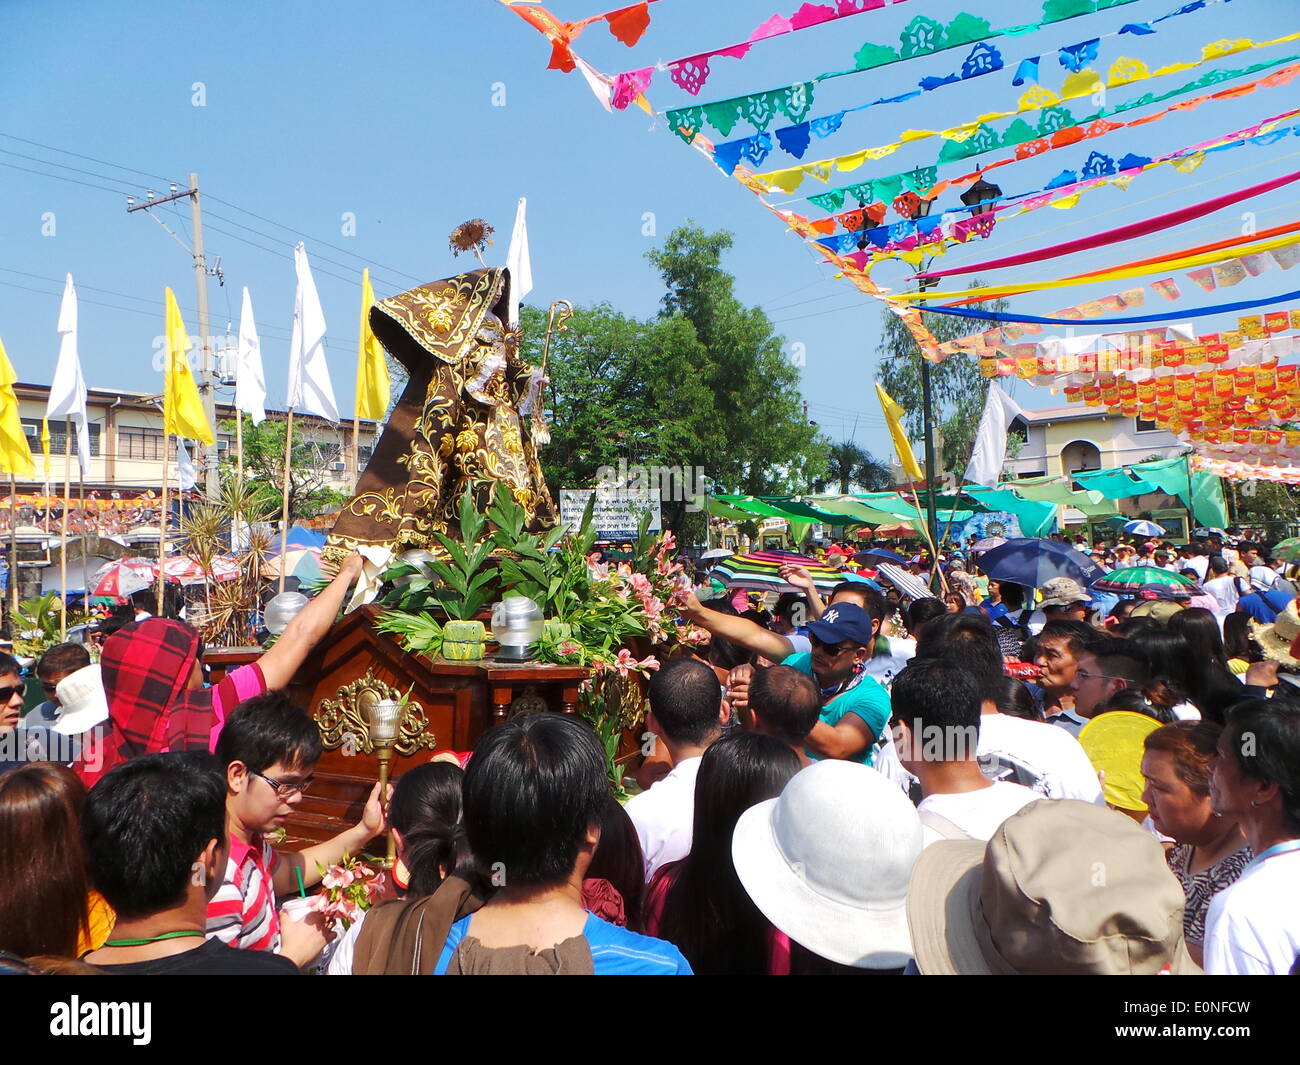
(848, 464)
(956, 385)
(264, 466)
(770, 447)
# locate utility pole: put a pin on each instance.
(207, 388)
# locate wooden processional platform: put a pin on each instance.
(451, 704)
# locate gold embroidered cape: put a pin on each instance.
(457, 423)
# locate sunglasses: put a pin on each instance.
(10, 690)
(831, 648)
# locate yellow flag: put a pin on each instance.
(372, 370)
(45, 447)
(894, 419)
(182, 408)
(15, 454)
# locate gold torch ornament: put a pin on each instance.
(385, 722)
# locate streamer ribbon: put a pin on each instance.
(1204, 312)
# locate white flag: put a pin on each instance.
(990, 452)
(185, 475)
(597, 83)
(250, 381)
(310, 389)
(519, 263)
(68, 392)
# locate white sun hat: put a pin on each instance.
(828, 863)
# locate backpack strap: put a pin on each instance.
(942, 825)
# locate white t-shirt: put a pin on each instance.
(1042, 751)
(1253, 927)
(664, 816)
(1224, 590)
(977, 813)
(1185, 711)
(1199, 563)
(885, 667)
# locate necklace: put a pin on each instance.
(150, 939)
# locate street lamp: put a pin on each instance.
(979, 195)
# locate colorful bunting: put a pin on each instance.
(1057, 126)
(927, 36)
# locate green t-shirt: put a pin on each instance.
(868, 699)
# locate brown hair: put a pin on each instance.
(43, 881)
(1193, 745)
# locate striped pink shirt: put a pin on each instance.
(242, 913)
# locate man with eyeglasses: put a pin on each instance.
(269, 749)
(855, 707)
(1103, 666)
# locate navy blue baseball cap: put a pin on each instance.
(843, 622)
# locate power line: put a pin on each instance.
(87, 158)
(314, 240)
(60, 177)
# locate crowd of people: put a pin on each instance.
(1012, 780)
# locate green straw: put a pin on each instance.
(302, 890)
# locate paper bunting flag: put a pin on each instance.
(923, 37)
(1057, 126)
(1204, 278)
(1230, 273)
(1285, 257)
(627, 24)
(1167, 287)
(691, 72)
(986, 59)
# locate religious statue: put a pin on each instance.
(468, 418)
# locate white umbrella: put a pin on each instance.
(717, 552)
(907, 583)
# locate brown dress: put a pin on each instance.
(457, 424)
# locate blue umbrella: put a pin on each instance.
(879, 554)
(1033, 562)
(857, 578)
(1143, 528)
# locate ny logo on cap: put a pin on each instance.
(832, 616)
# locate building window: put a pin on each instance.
(32, 429)
(1146, 425)
(364, 452)
(138, 442)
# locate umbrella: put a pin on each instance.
(879, 554)
(908, 583)
(185, 569)
(1147, 580)
(758, 571)
(988, 543)
(1288, 550)
(718, 552)
(1032, 562)
(300, 562)
(897, 532)
(124, 577)
(1143, 528)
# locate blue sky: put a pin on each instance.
(390, 111)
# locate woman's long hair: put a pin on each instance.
(425, 809)
(618, 859)
(43, 879)
(1178, 676)
(707, 912)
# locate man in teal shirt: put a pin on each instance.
(855, 708)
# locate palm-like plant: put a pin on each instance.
(848, 464)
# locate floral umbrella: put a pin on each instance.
(988, 543)
(759, 571)
(1148, 581)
